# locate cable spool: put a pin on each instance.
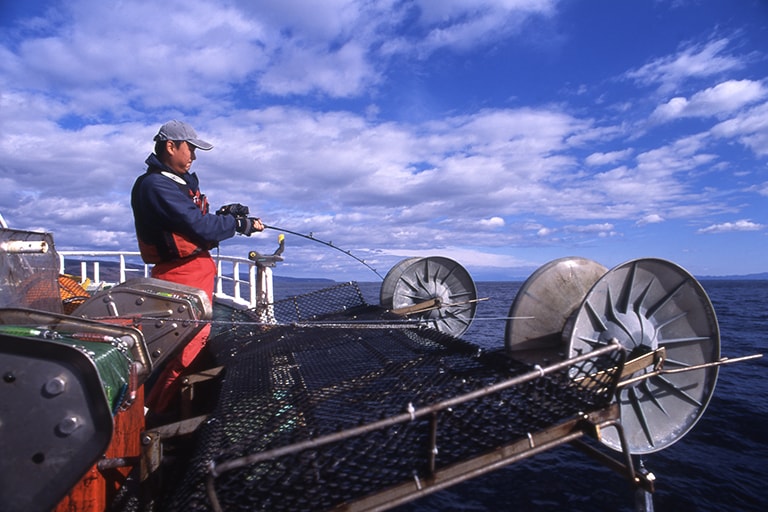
(648, 304)
(434, 289)
(546, 300)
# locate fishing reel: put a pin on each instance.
(235, 210)
(272, 259)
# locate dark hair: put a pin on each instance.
(160, 147)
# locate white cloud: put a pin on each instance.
(287, 47)
(762, 189)
(492, 223)
(544, 232)
(723, 98)
(602, 230)
(692, 61)
(608, 158)
(592, 228)
(429, 25)
(727, 227)
(340, 73)
(467, 257)
(652, 218)
(750, 128)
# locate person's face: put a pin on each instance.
(180, 157)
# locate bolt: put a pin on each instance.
(67, 426)
(55, 386)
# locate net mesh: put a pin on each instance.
(352, 366)
(29, 277)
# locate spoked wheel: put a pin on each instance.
(546, 300)
(434, 289)
(648, 304)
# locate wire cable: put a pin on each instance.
(328, 244)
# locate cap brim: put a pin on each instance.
(200, 144)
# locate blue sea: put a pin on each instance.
(719, 466)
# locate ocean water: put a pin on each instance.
(720, 465)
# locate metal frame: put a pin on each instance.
(586, 423)
(249, 298)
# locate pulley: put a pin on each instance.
(648, 305)
(434, 289)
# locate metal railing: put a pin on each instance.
(230, 286)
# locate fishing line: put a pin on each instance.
(328, 244)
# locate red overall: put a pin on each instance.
(200, 272)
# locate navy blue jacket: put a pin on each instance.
(171, 215)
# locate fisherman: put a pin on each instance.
(175, 232)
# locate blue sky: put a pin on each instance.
(500, 133)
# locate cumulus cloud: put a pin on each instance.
(723, 98)
(727, 227)
(653, 218)
(493, 222)
(336, 47)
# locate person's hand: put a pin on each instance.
(234, 209)
(248, 225)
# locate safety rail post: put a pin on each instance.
(236, 279)
(122, 268)
(219, 278)
(253, 285)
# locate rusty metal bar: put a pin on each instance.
(720, 362)
(417, 308)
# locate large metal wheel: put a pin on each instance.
(546, 300)
(443, 287)
(648, 304)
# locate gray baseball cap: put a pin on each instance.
(176, 130)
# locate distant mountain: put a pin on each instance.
(284, 279)
(762, 276)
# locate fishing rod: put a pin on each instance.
(328, 244)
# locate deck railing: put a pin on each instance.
(229, 284)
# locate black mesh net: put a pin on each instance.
(351, 366)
